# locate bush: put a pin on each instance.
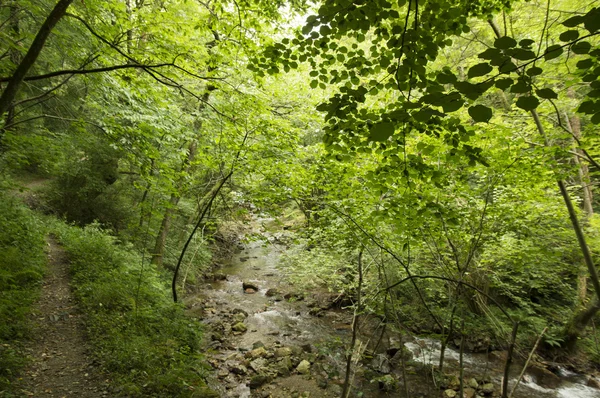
(138, 333)
(22, 266)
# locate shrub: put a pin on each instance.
(138, 333)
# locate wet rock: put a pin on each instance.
(258, 380)
(472, 383)
(258, 365)
(237, 368)
(470, 392)
(593, 382)
(272, 292)
(294, 296)
(544, 377)
(322, 382)
(381, 363)
(249, 291)
(283, 352)
(217, 276)
(487, 389)
(222, 373)
(259, 352)
(284, 366)
(239, 311)
(303, 367)
(449, 393)
(257, 344)
(249, 285)
(316, 312)
(239, 318)
(239, 327)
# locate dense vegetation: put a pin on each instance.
(442, 157)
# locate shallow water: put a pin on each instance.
(288, 323)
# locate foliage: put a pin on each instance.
(22, 265)
(138, 334)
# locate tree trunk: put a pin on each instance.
(163, 232)
(161, 238)
(574, 125)
(9, 93)
(580, 321)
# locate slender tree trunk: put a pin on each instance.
(15, 56)
(161, 238)
(574, 125)
(163, 232)
(581, 319)
(9, 93)
(346, 390)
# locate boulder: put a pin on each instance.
(544, 377)
(239, 327)
(303, 367)
(239, 311)
(593, 382)
(258, 365)
(259, 352)
(237, 368)
(249, 285)
(272, 292)
(487, 389)
(249, 291)
(470, 392)
(257, 381)
(472, 383)
(283, 352)
(449, 393)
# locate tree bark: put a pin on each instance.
(11, 90)
(574, 126)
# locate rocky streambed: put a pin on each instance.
(268, 339)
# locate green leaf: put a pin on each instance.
(553, 52)
(596, 118)
(481, 69)
(546, 93)
(480, 113)
(490, 53)
(591, 20)
(522, 55)
(569, 35)
(446, 77)
(526, 43)
(452, 102)
(505, 43)
(528, 103)
(507, 67)
(521, 87)
(585, 64)
(573, 21)
(534, 71)
(581, 47)
(505, 83)
(381, 131)
(587, 107)
(314, 83)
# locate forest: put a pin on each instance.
(300, 198)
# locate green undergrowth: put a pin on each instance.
(143, 340)
(22, 265)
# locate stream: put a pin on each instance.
(266, 339)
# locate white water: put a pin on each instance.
(428, 351)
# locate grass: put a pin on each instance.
(139, 335)
(22, 266)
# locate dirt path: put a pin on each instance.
(61, 366)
